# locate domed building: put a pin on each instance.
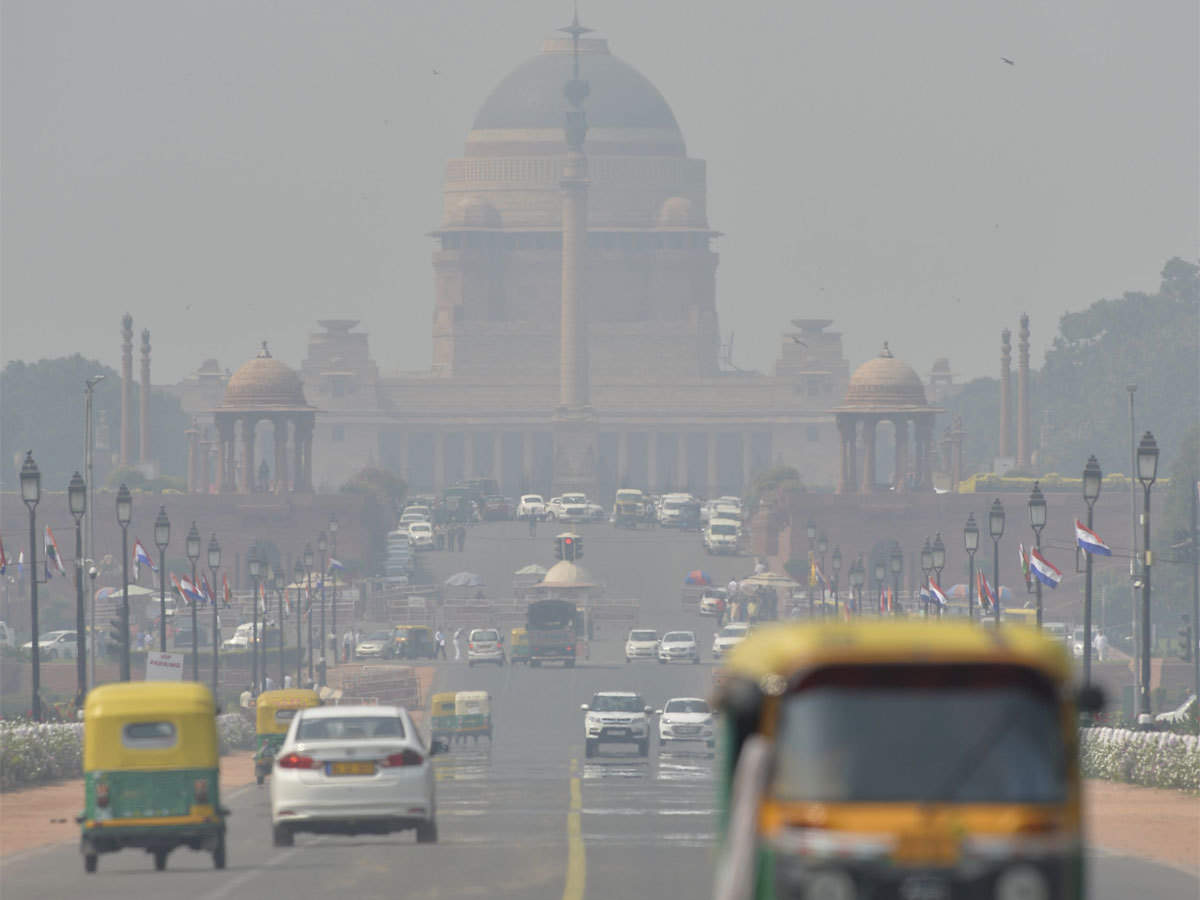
(884, 389)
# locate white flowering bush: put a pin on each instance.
(32, 754)
(1152, 759)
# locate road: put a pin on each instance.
(526, 817)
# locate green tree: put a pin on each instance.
(383, 492)
(1172, 540)
(768, 483)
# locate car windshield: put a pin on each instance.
(686, 706)
(722, 528)
(612, 703)
(531, 498)
(672, 504)
(485, 636)
(643, 636)
(678, 636)
(733, 631)
(574, 498)
(419, 527)
(350, 728)
(978, 742)
(379, 636)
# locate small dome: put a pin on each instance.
(474, 212)
(264, 382)
(885, 383)
(941, 364)
(677, 212)
(567, 574)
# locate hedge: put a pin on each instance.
(1151, 759)
(33, 754)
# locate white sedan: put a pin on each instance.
(686, 719)
(420, 536)
(678, 646)
(728, 638)
(532, 506)
(353, 770)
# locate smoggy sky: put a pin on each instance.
(232, 170)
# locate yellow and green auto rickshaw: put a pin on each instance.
(413, 642)
(519, 646)
(900, 758)
(150, 771)
(442, 712)
(274, 713)
(474, 712)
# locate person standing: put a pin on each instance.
(457, 644)
(462, 537)
(441, 644)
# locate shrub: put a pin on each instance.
(1151, 759)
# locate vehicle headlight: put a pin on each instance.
(1022, 882)
(830, 884)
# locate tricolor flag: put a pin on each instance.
(226, 593)
(3, 558)
(206, 590)
(817, 576)
(189, 592)
(262, 598)
(1089, 541)
(1024, 557)
(140, 558)
(334, 564)
(1044, 570)
(52, 554)
(936, 593)
(986, 598)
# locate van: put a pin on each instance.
(721, 536)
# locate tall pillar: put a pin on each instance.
(852, 454)
(573, 354)
(224, 443)
(126, 456)
(868, 479)
(527, 441)
(1005, 387)
(622, 458)
(297, 456)
(439, 462)
(747, 460)
(652, 460)
(900, 478)
(193, 458)
(711, 459)
(308, 442)
(247, 473)
(468, 454)
(924, 432)
(203, 464)
(144, 402)
(842, 466)
(280, 428)
(1023, 421)
(498, 457)
(681, 461)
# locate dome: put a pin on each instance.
(474, 212)
(264, 382)
(678, 212)
(620, 99)
(884, 383)
(567, 574)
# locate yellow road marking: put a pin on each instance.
(576, 854)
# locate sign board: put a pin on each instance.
(164, 666)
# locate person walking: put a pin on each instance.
(457, 645)
(347, 645)
(441, 644)
(462, 537)
(532, 526)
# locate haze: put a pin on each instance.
(228, 171)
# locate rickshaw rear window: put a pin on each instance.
(284, 715)
(148, 735)
(349, 728)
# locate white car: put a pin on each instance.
(686, 719)
(532, 506)
(410, 517)
(54, 645)
(353, 770)
(642, 643)
(241, 636)
(678, 646)
(376, 645)
(554, 507)
(616, 717)
(711, 600)
(573, 508)
(483, 645)
(722, 536)
(420, 536)
(417, 510)
(728, 638)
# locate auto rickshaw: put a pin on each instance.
(413, 642)
(150, 771)
(899, 758)
(519, 646)
(474, 712)
(443, 713)
(275, 711)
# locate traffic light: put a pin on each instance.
(1185, 640)
(568, 548)
(114, 633)
(578, 552)
(558, 548)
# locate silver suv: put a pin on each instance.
(616, 717)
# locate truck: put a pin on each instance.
(552, 627)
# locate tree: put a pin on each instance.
(769, 483)
(383, 492)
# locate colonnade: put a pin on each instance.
(909, 473)
(234, 446)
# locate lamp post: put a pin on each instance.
(939, 563)
(193, 553)
(822, 546)
(837, 577)
(298, 574)
(333, 529)
(280, 585)
(162, 536)
(124, 516)
(77, 501)
(1147, 471)
(996, 531)
(880, 575)
(857, 575)
(926, 568)
(971, 544)
(322, 546)
(1092, 479)
(896, 564)
(1037, 520)
(214, 563)
(312, 649)
(255, 567)
(31, 493)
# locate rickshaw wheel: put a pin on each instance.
(160, 860)
(89, 862)
(260, 777)
(218, 854)
(427, 833)
(282, 836)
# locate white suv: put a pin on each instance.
(686, 719)
(721, 536)
(616, 717)
(483, 645)
(642, 643)
(728, 638)
(678, 646)
(532, 506)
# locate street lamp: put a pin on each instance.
(996, 531)
(280, 584)
(856, 582)
(31, 493)
(77, 502)
(333, 530)
(971, 544)
(298, 574)
(193, 553)
(1092, 479)
(926, 568)
(255, 567)
(837, 578)
(214, 563)
(1037, 519)
(162, 537)
(124, 516)
(1147, 469)
(939, 556)
(323, 546)
(896, 564)
(308, 570)
(880, 574)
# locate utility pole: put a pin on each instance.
(1133, 553)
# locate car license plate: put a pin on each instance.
(688, 729)
(618, 731)
(351, 768)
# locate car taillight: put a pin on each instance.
(294, 761)
(201, 790)
(570, 649)
(405, 758)
(102, 794)
(471, 646)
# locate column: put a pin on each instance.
(900, 479)
(747, 460)
(652, 460)
(279, 423)
(224, 445)
(439, 462)
(203, 475)
(193, 445)
(498, 458)
(468, 455)
(297, 456)
(711, 459)
(681, 461)
(852, 455)
(247, 474)
(622, 458)
(527, 442)
(868, 480)
(308, 442)
(842, 479)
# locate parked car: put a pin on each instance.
(55, 645)
(532, 506)
(376, 645)
(496, 509)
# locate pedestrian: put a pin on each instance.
(245, 699)
(462, 537)
(759, 566)
(720, 612)
(1100, 643)
(268, 683)
(287, 682)
(347, 646)
(732, 589)
(441, 644)
(532, 525)
(457, 645)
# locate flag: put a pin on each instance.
(334, 564)
(3, 558)
(936, 593)
(986, 598)
(206, 591)
(52, 554)
(140, 556)
(20, 564)
(1089, 541)
(1044, 570)
(1024, 562)
(816, 576)
(189, 592)
(226, 593)
(262, 598)
(812, 571)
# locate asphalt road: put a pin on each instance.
(525, 817)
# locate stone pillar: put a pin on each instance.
(308, 442)
(622, 458)
(711, 459)
(468, 455)
(498, 458)
(247, 474)
(203, 463)
(681, 461)
(852, 455)
(842, 467)
(900, 425)
(868, 479)
(224, 444)
(126, 456)
(297, 456)
(193, 459)
(1005, 399)
(527, 443)
(747, 460)
(280, 425)
(924, 432)
(439, 462)
(1023, 420)
(652, 460)
(144, 402)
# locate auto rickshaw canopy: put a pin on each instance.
(267, 720)
(184, 712)
(443, 703)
